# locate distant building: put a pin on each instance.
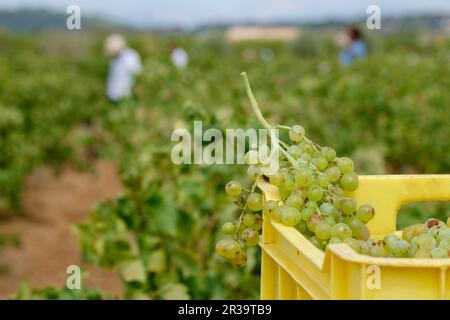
(243, 33)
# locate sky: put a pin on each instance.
(192, 13)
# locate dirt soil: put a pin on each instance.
(52, 204)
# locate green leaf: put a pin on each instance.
(133, 271)
(174, 291)
(157, 261)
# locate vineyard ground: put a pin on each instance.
(52, 204)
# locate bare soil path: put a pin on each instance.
(48, 245)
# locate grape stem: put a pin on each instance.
(245, 207)
(263, 121)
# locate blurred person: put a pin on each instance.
(179, 57)
(354, 46)
(124, 66)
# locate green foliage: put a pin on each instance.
(52, 293)
(389, 112)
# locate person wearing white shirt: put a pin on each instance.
(179, 57)
(124, 66)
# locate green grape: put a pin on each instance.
(249, 219)
(323, 180)
(294, 151)
(401, 248)
(253, 171)
(250, 237)
(306, 157)
(382, 251)
(228, 228)
(445, 244)
(364, 247)
(345, 165)
(330, 221)
(408, 233)
(333, 173)
(341, 231)
(277, 212)
(233, 188)
(443, 233)
(254, 201)
(425, 241)
(423, 253)
(373, 251)
(295, 201)
(289, 183)
(304, 178)
(277, 179)
(301, 226)
(314, 193)
(312, 205)
(338, 191)
(321, 163)
(439, 253)
(348, 205)
(433, 231)
(307, 148)
(297, 133)
(350, 181)
(240, 261)
(322, 231)
(327, 209)
(365, 213)
(313, 221)
(316, 242)
(420, 228)
(306, 213)
(354, 244)
(258, 222)
(269, 207)
(290, 216)
(221, 247)
(334, 240)
(232, 249)
(389, 242)
(356, 225)
(328, 153)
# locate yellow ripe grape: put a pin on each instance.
(233, 188)
(221, 247)
(232, 249)
(297, 133)
(240, 261)
(250, 237)
(254, 201)
(269, 207)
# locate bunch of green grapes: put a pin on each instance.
(428, 240)
(312, 182)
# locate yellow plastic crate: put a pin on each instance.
(293, 268)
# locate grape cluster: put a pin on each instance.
(312, 182)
